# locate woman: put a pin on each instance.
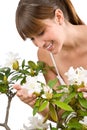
(55, 27)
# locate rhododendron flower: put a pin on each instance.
(47, 92)
(32, 85)
(12, 58)
(84, 121)
(35, 123)
(77, 76)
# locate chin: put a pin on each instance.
(55, 52)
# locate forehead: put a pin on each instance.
(38, 26)
(48, 22)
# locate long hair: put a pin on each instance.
(30, 14)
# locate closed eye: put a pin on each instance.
(41, 33)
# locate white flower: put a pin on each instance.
(77, 76)
(35, 123)
(47, 92)
(84, 121)
(11, 58)
(32, 85)
(65, 90)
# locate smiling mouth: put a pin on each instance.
(49, 47)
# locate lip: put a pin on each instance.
(49, 47)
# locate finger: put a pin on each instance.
(84, 89)
(22, 92)
(85, 95)
(17, 86)
(32, 103)
(29, 101)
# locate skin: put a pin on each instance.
(68, 44)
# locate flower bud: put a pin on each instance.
(15, 65)
(5, 79)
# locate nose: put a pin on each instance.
(39, 42)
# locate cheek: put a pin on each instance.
(60, 43)
(59, 47)
(59, 36)
(58, 40)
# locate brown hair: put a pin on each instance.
(30, 13)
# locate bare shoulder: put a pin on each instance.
(44, 55)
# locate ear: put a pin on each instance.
(59, 17)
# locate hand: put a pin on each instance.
(24, 96)
(84, 90)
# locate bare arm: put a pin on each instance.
(23, 94)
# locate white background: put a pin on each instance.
(11, 41)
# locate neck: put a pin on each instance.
(77, 36)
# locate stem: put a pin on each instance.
(5, 124)
(7, 115)
(7, 110)
(59, 125)
(56, 108)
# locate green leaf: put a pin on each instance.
(52, 83)
(69, 97)
(65, 114)
(5, 71)
(22, 71)
(23, 80)
(63, 106)
(37, 103)
(1, 76)
(57, 95)
(74, 124)
(82, 113)
(53, 112)
(80, 94)
(4, 89)
(16, 77)
(41, 65)
(35, 110)
(23, 64)
(43, 105)
(36, 106)
(83, 102)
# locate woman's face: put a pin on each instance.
(51, 37)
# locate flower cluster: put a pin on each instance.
(37, 124)
(65, 99)
(77, 76)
